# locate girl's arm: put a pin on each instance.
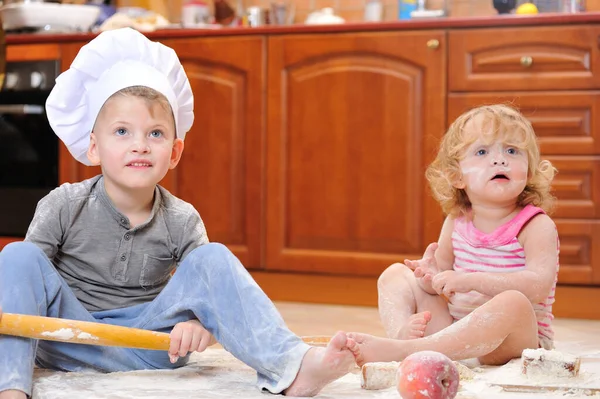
(444, 256)
(540, 242)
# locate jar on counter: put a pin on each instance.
(195, 13)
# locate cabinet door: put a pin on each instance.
(353, 120)
(220, 170)
(579, 256)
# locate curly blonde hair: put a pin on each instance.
(491, 121)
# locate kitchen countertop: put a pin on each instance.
(438, 23)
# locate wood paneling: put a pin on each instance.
(353, 121)
(33, 52)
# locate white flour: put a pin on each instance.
(84, 335)
(63, 333)
(217, 374)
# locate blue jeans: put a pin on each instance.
(210, 285)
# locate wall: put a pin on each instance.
(351, 10)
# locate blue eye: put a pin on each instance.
(121, 132)
(512, 151)
(156, 134)
(481, 152)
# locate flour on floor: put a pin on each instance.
(217, 374)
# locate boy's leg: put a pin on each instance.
(212, 286)
(406, 311)
(29, 284)
(495, 332)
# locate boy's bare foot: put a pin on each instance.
(12, 394)
(415, 326)
(321, 366)
(369, 348)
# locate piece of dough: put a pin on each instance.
(378, 375)
(549, 363)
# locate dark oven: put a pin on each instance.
(28, 146)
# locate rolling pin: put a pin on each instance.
(81, 332)
(89, 333)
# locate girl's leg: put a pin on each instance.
(29, 284)
(407, 311)
(212, 286)
(495, 332)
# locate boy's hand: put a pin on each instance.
(189, 336)
(425, 268)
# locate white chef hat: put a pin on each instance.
(112, 61)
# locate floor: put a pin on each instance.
(215, 373)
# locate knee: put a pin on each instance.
(393, 274)
(212, 256)
(21, 252)
(515, 299)
(20, 257)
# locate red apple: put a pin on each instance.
(427, 375)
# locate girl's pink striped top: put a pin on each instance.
(497, 252)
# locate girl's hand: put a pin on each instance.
(448, 282)
(425, 268)
(189, 336)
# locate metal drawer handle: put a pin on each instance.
(22, 109)
(433, 44)
(526, 61)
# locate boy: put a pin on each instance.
(102, 250)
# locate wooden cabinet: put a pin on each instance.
(352, 122)
(308, 150)
(530, 58)
(550, 93)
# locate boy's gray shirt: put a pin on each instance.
(108, 264)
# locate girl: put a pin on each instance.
(486, 288)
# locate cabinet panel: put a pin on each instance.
(533, 58)
(576, 186)
(348, 140)
(579, 257)
(220, 170)
(565, 122)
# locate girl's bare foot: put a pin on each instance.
(321, 366)
(415, 326)
(12, 394)
(369, 348)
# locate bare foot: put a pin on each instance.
(12, 394)
(369, 348)
(415, 326)
(321, 366)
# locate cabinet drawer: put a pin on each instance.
(524, 58)
(567, 123)
(579, 257)
(576, 186)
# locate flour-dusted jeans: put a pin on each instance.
(210, 285)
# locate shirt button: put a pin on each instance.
(123, 258)
(123, 220)
(127, 236)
